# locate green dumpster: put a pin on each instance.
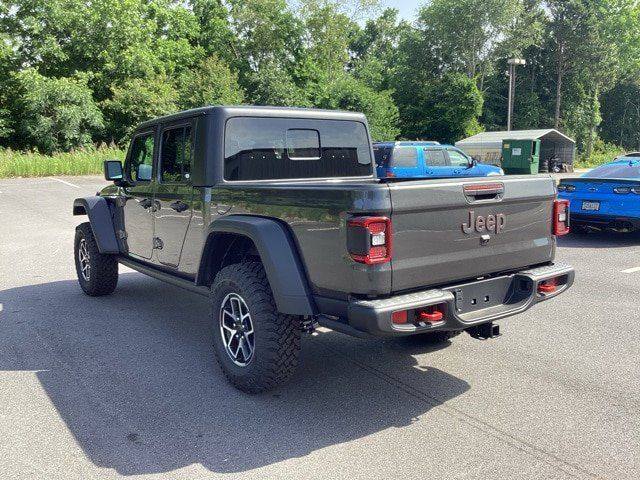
(520, 157)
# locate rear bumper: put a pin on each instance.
(604, 221)
(465, 305)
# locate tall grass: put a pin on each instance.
(79, 162)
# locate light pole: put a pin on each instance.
(513, 62)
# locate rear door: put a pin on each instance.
(138, 198)
(174, 193)
(404, 161)
(442, 234)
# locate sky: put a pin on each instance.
(407, 8)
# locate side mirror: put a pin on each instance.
(474, 162)
(113, 170)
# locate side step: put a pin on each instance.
(185, 283)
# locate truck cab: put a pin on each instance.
(427, 159)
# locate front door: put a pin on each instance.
(173, 196)
(461, 164)
(436, 162)
(138, 200)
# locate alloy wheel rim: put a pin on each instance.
(84, 260)
(236, 329)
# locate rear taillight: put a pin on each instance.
(369, 239)
(560, 217)
(390, 175)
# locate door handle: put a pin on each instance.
(145, 203)
(179, 206)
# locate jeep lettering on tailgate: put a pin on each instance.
(480, 224)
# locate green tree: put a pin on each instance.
(469, 35)
(347, 93)
(621, 115)
(211, 83)
(374, 49)
(54, 113)
(271, 86)
(137, 100)
(445, 109)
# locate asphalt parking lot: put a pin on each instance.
(127, 384)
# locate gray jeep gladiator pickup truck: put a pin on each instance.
(276, 216)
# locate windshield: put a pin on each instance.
(616, 170)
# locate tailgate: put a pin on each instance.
(443, 234)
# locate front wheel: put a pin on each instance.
(256, 346)
(97, 273)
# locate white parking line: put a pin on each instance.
(62, 181)
(631, 270)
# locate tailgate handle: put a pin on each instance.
(483, 191)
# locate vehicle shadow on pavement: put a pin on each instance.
(600, 240)
(134, 378)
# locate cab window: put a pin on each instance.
(434, 157)
(175, 155)
(457, 158)
(405, 157)
(140, 163)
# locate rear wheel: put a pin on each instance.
(256, 346)
(97, 273)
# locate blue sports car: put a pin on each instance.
(606, 198)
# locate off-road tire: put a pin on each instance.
(276, 335)
(103, 271)
(441, 336)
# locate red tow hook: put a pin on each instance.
(431, 315)
(548, 286)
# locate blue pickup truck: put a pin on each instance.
(426, 159)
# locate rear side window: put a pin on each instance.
(281, 148)
(405, 157)
(382, 156)
(140, 162)
(435, 157)
(175, 154)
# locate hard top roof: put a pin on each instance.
(261, 111)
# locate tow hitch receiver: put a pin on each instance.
(484, 331)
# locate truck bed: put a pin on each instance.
(431, 246)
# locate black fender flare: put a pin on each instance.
(101, 220)
(279, 256)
